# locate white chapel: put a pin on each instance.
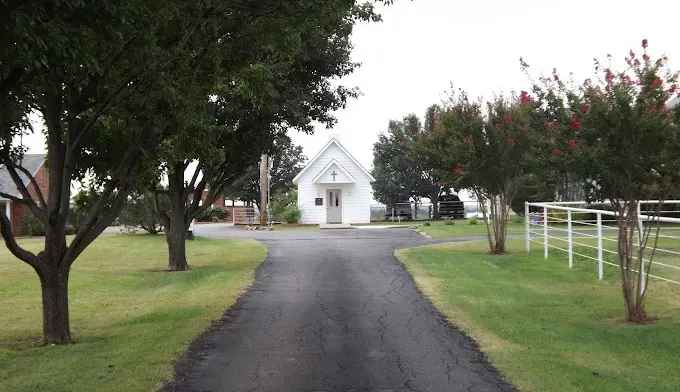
(334, 188)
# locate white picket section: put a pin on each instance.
(550, 229)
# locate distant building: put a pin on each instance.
(334, 188)
(35, 164)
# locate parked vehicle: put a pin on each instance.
(450, 206)
(190, 231)
(402, 211)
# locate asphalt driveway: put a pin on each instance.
(333, 311)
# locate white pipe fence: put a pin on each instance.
(554, 224)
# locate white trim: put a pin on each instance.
(342, 169)
(330, 142)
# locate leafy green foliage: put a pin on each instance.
(531, 188)
(291, 214)
(139, 212)
(220, 213)
(213, 214)
(485, 151)
(284, 207)
(286, 161)
(397, 169)
(31, 226)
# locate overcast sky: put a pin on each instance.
(422, 47)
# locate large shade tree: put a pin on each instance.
(398, 171)
(104, 76)
(75, 64)
(438, 181)
(291, 77)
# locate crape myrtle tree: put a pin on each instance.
(486, 150)
(74, 63)
(622, 138)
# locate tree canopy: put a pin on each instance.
(125, 88)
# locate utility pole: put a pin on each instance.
(264, 190)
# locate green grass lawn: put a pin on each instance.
(129, 318)
(461, 228)
(548, 328)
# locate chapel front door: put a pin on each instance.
(334, 206)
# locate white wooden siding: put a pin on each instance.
(356, 198)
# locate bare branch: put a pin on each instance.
(192, 183)
(159, 211)
(13, 198)
(11, 243)
(27, 199)
(194, 210)
(31, 178)
(97, 226)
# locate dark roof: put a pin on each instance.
(32, 162)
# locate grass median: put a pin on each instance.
(548, 328)
(130, 319)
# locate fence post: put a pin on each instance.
(600, 261)
(527, 227)
(641, 231)
(545, 231)
(571, 246)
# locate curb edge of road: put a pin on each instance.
(424, 234)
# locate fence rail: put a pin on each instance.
(245, 216)
(563, 226)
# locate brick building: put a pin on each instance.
(35, 164)
(219, 202)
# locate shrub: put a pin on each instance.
(517, 219)
(205, 216)
(283, 206)
(139, 212)
(449, 223)
(426, 224)
(220, 213)
(291, 214)
(472, 220)
(70, 230)
(31, 226)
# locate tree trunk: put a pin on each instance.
(630, 281)
(177, 255)
(175, 235)
(56, 330)
(434, 197)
